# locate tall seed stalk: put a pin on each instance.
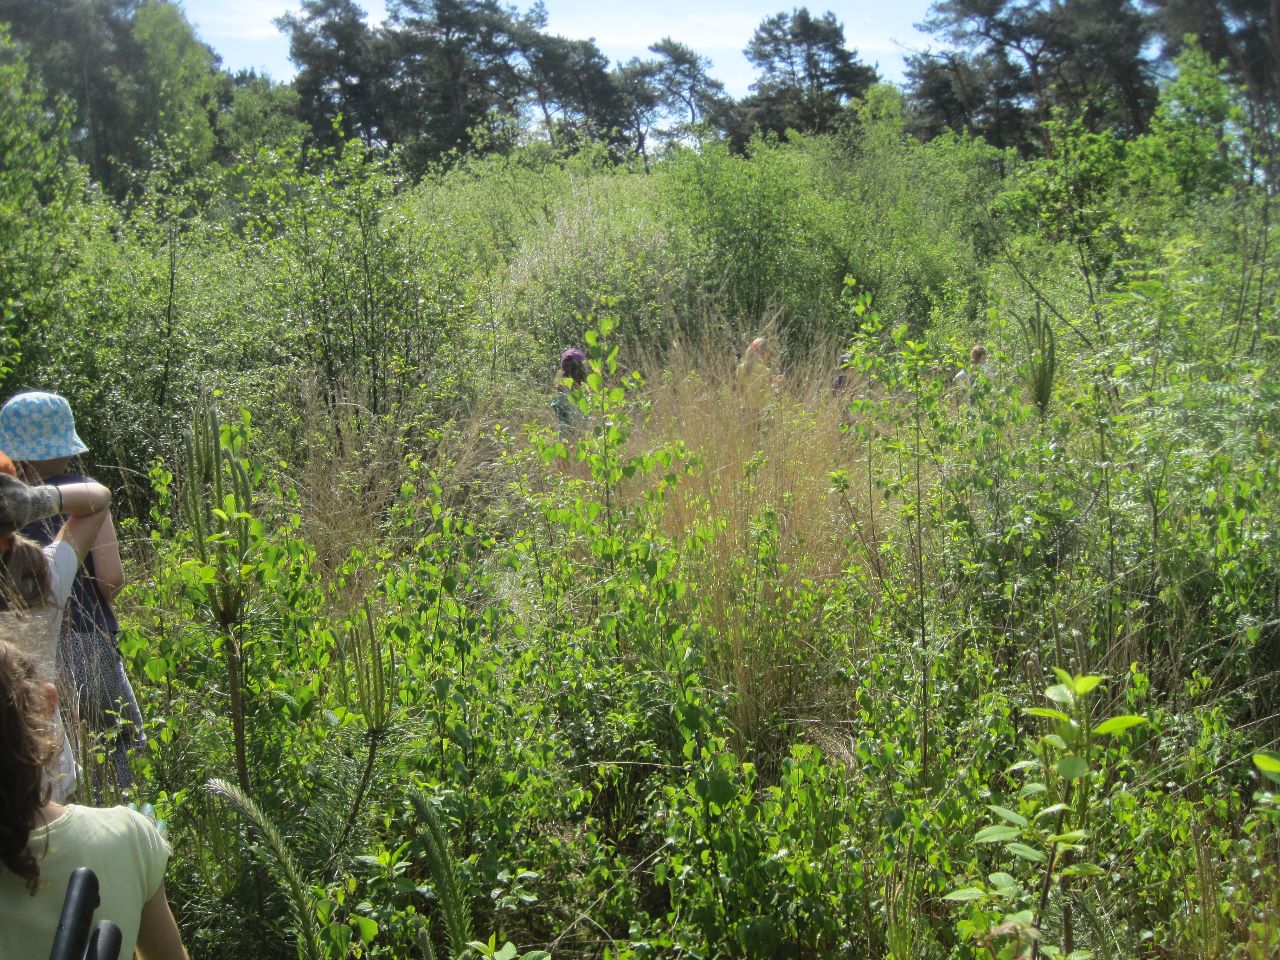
(925, 692)
(1042, 346)
(281, 862)
(373, 676)
(444, 869)
(216, 502)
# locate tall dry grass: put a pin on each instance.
(779, 536)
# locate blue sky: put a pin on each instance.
(242, 32)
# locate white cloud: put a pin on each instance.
(639, 29)
(236, 20)
(244, 32)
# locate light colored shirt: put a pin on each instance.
(120, 845)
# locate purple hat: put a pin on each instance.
(573, 364)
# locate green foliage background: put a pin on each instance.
(917, 670)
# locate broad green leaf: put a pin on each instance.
(1002, 881)
(1025, 852)
(1061, 693)
(1051, 810)
(995, 834)
(1071, 836)
(366, 929)
(966, 893)
(1267, 761)
(1116, 724)
(1084, 684)
(1017, 819)
(1073, 767)
(1047, 712)
(1083, 870)
(1032, 789)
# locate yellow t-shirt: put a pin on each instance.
(118, 844)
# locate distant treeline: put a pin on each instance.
(446, 76)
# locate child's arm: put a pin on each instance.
(87, 505)
(158, 936)
(108, 570)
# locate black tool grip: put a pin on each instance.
(82, 899)
(105, 942)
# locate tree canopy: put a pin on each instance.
(442, 78)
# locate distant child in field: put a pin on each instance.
(35, 581)
(756, 382)
(979, 369)
(42, 841)
(572, 374)
(842, 382)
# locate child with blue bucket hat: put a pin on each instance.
(37, 426)
(38, 430)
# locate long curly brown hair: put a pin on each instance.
(25, 749)
(24, 571)
(24, 575)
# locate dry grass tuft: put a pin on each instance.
(780, 536)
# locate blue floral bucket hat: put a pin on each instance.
(39, 426)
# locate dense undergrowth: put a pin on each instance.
(901, 670)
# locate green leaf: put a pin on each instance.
(1084, 870)
(1017, 819)
(365, 928)
(1003, 881)
(1061, 693)
(1116, 724)
(1025, 852)
(995, 834)
(967, 893)
(1051, 810)
(1070, 837)
(1047, 712)
(718, 788)
(1267, 761)
(1085, 683)
(1072, 767)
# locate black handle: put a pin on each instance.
(77, 913)
(105, 942)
